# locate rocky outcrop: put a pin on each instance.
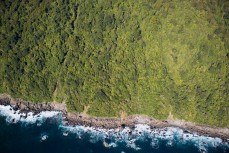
(25, 106)
(108, 122)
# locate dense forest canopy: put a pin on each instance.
(151, 57)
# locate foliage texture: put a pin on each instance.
(147, 57)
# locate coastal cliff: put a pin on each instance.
(112, 123)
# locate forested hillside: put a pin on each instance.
(148, 57)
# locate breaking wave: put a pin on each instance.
(136, 139)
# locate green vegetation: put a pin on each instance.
(138, 56)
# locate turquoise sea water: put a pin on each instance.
(46, 133)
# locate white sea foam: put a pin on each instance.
(43, 137)
(65, 134)
(155, 143)
(29, 118)
(170, 134)
(128, 136)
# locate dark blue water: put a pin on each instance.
(21, 137)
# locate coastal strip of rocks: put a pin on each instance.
(112, 122)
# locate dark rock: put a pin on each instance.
(123, 125)
(4, 101)
(186, 131)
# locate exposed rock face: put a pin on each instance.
(25, 106)
(5, 100)
(108, 122)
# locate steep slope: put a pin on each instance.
(109, 57)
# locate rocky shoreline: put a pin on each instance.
(108, 123)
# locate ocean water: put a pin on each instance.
(47, 133)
